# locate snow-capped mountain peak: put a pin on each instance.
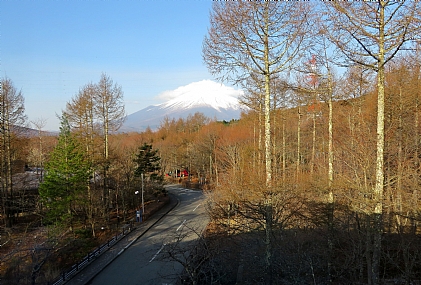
(204, 93)
(214, 100)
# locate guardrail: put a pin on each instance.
(69, 273)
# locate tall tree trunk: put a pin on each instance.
(268, 240)
(330, 200)
(7, 174)
(330, 143)
(298, 144)
(260, 139)
(398, 202)
(268, 154)
(378, 190)
(313, 141)
(283, 149)
(416, 143)
(268, 149)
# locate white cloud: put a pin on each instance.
(166, 95)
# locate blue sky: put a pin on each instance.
(52, 48)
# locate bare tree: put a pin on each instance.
(109, 108)
(11, 118)
(371, 34)
(39, 154)
(110, 113)
(255, 40)
(81, 113)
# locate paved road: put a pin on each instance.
(142, 263)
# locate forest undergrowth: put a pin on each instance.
(32, 250)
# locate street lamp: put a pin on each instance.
(142, 177)
(137, 192)
(138, 216)
(143, 203)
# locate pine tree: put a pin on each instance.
(148, 162)
(67, 174)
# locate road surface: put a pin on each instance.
(142, 263)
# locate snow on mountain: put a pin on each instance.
(203, 93)
(212, 99)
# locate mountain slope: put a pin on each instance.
(214, 100)
(204, 93)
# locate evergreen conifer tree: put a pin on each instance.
(67, 174)
(148, 163)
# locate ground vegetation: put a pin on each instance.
(317, 183)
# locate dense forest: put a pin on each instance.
(317, 183)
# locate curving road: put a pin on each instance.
(143, 262)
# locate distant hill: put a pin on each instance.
(214, 100)
(29, 132)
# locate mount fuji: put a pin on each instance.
(214, 100)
